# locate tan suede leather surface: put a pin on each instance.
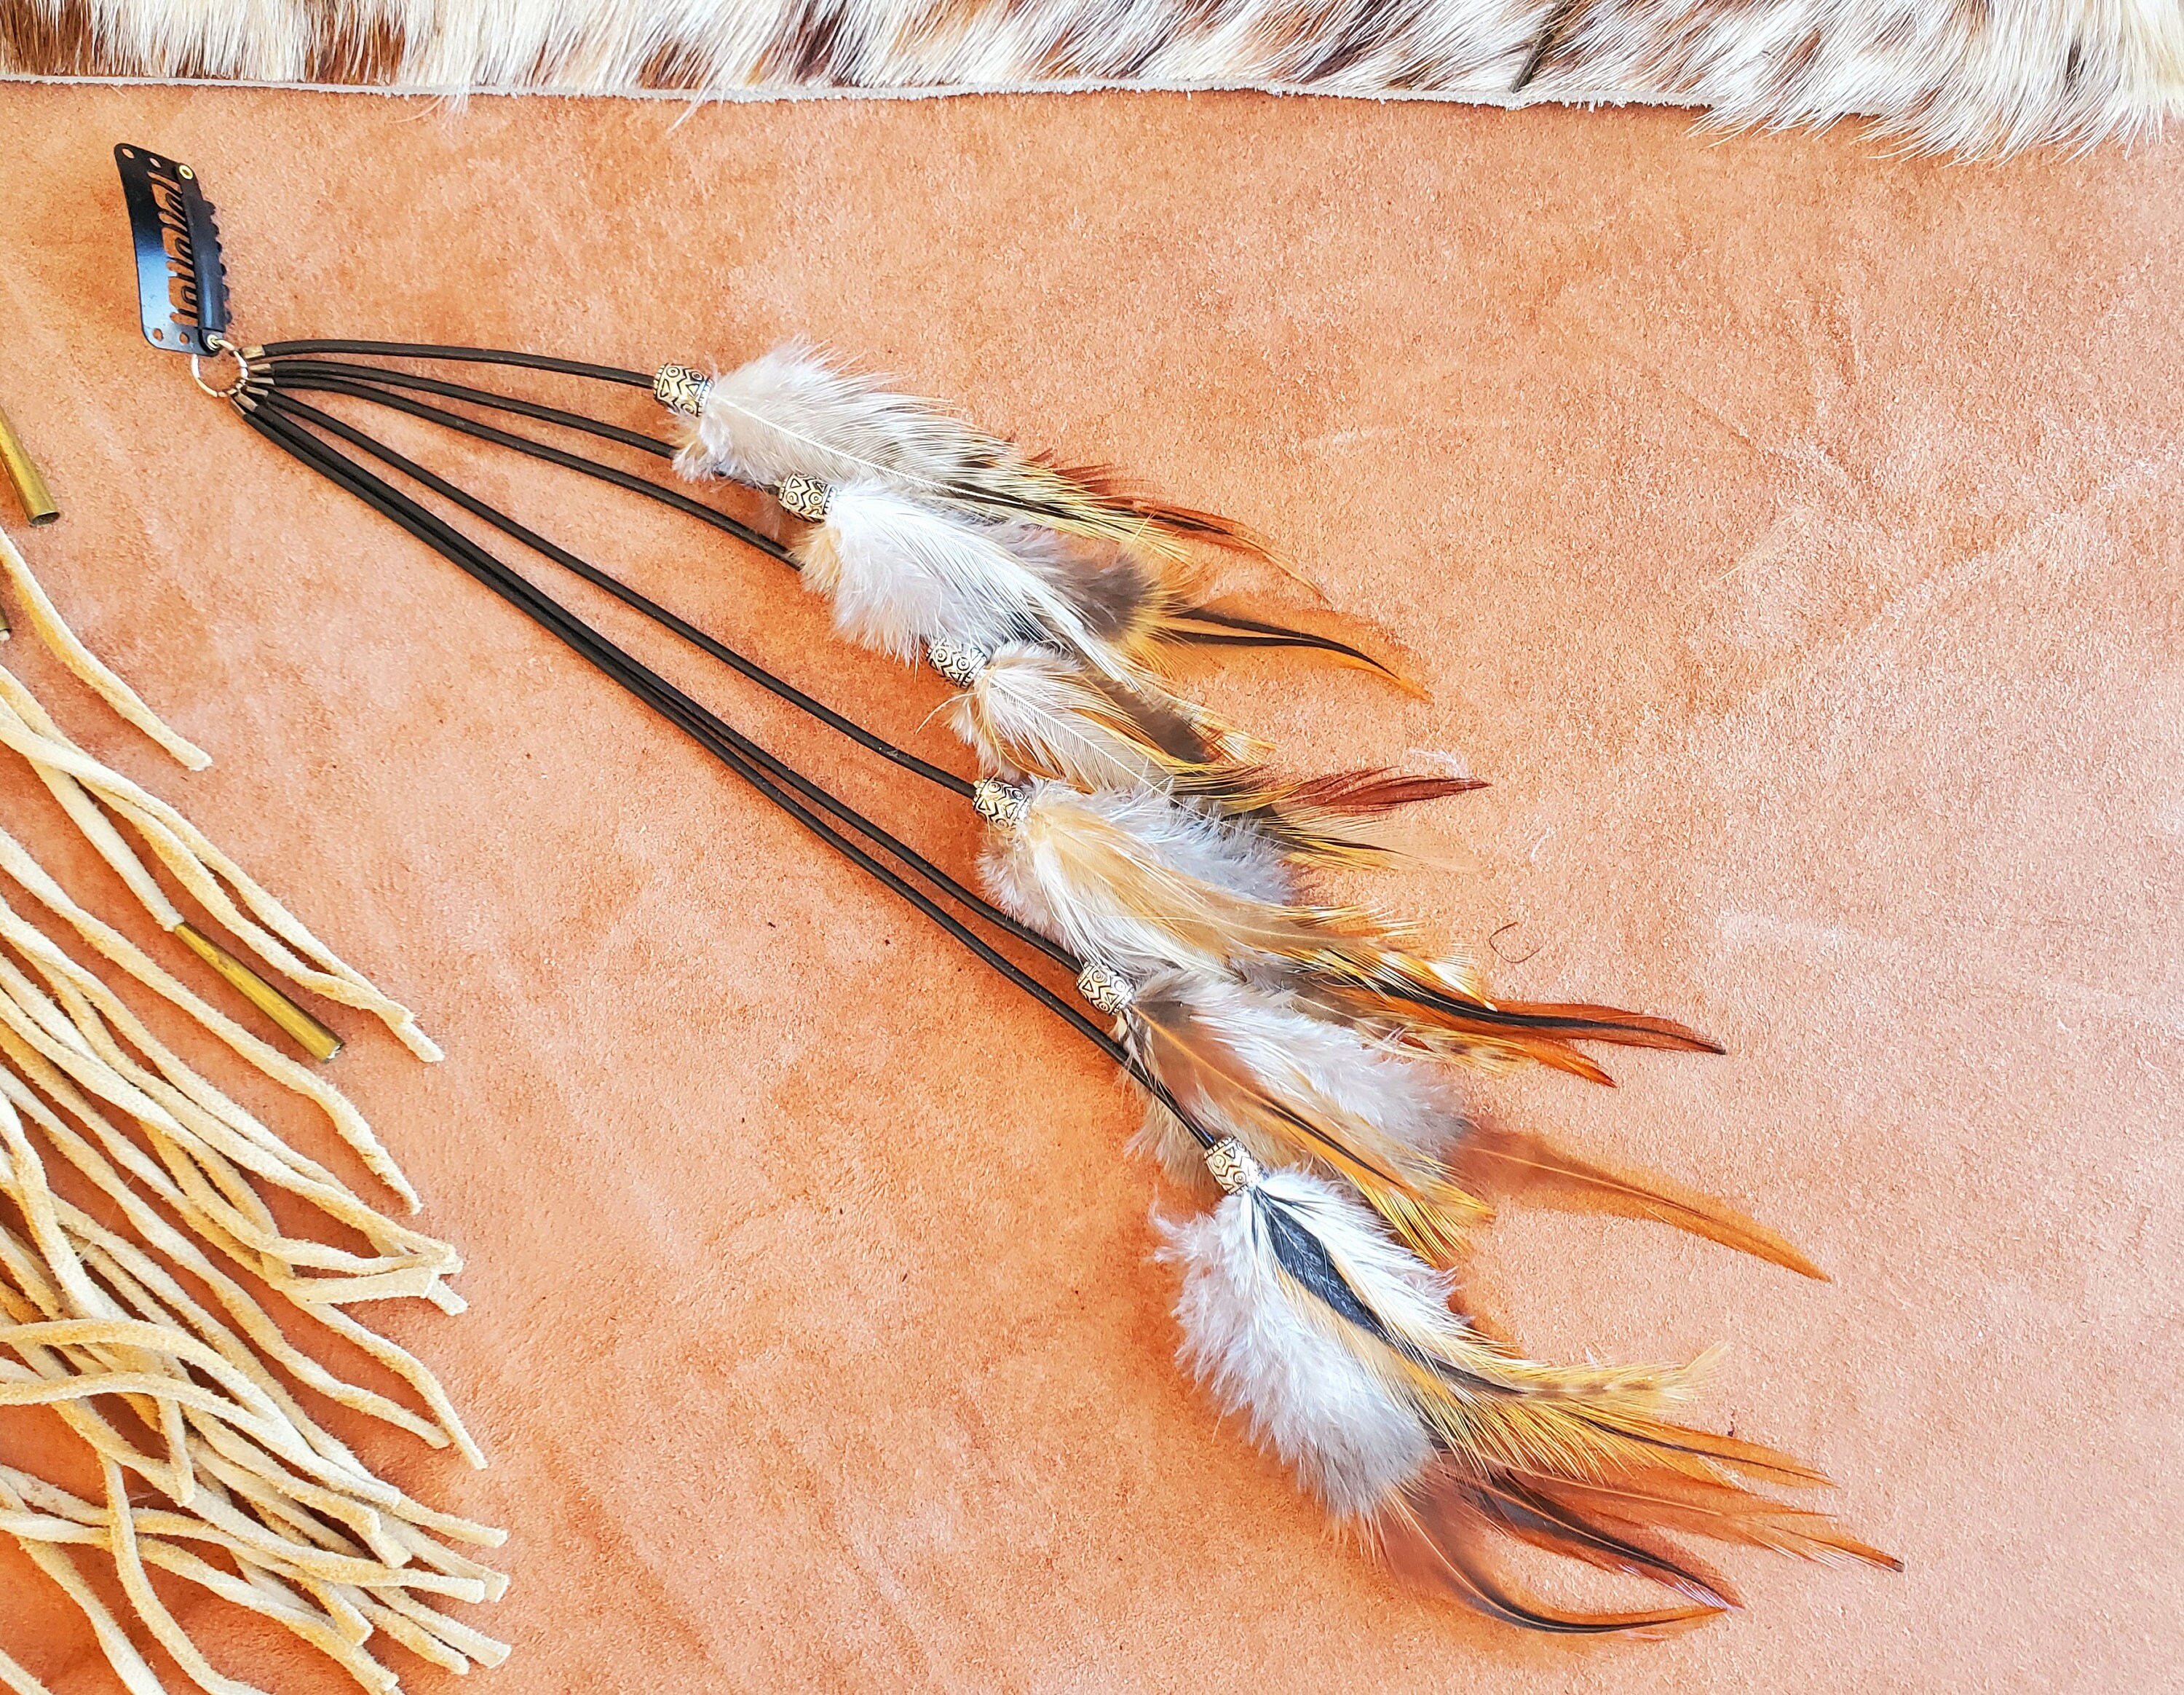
(1791, 536)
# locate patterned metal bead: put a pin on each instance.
(681, 389)
(1108, 992)
(999, 802)
(807, 497)
(959, 662)
(1232, 1165)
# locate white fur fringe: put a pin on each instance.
(1982, 79)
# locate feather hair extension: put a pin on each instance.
(1339, 1348)
(1138, 841)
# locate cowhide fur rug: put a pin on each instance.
(1972, 76)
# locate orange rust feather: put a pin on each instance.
(1521, 1159)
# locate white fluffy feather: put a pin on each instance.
(1030, 709)
(790, 412)
(1028, 874)
(1272, 1356)
(1034, 710)
(1330, 1071)
(899, 571)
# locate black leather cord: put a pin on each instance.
(476, 397)
(532, 361)
(651, 608)
(649, 684)
(535, 449)
(716, 737)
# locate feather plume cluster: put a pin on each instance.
(1980, 78)
(1342, 1350)
(1048, 596)
(1297, 1052)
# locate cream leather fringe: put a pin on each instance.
(260, 1503)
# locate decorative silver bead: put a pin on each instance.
(807, 497)
(1232, 1165)
(999, 802)
(681, 389)
(1108, 992)
(959, 662)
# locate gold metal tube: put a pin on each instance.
(312, 1036)
(23, 471)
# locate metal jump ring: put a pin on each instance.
(219, 344)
